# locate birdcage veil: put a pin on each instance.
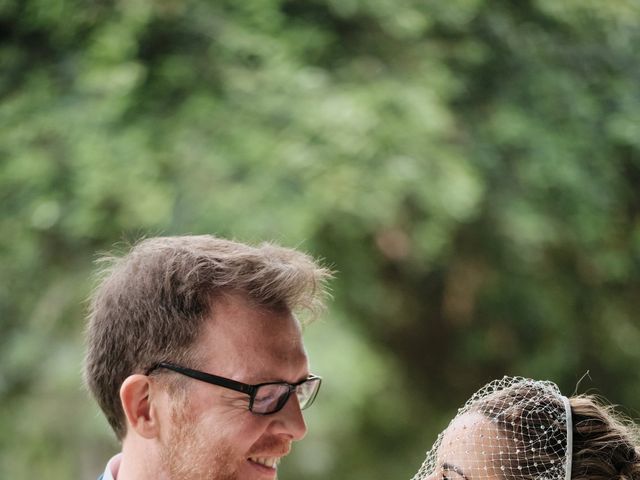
(512, 428)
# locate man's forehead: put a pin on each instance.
(258, 344)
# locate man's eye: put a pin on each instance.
(264, 398)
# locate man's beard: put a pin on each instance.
(191, 454)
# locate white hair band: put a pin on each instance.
(569, 454)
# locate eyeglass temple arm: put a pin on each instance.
(208, 378)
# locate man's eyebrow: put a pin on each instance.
(456, 469)
(264, 377)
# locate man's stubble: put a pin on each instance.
(190, 453)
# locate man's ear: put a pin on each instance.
(138, 406)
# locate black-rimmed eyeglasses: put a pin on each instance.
(264, 398)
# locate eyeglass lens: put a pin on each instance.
(271, 398)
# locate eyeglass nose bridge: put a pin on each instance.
(299, 390)
(285, 398)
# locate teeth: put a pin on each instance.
(270, 462)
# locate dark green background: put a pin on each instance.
(471, 169)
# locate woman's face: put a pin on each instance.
(471, 449)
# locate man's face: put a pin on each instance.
(212, 434)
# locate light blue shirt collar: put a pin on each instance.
(111, 471)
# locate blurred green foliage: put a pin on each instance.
(471, 169)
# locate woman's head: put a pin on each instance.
(516, 428)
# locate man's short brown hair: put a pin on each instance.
(150, 304)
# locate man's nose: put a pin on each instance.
(289, 421)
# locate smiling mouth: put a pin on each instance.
(270, 462)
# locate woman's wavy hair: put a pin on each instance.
(605, 445)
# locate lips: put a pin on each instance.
(267, 455)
